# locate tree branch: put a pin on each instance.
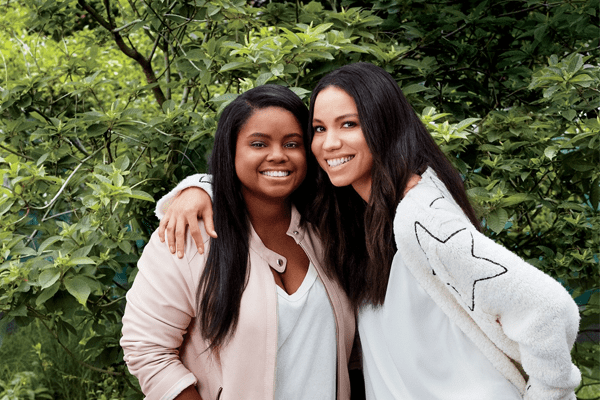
(130, 52)
(17, 154)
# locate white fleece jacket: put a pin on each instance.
(511, 310)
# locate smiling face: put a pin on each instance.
(270, 158)
(338, 143)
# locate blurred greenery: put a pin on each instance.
(105, 105)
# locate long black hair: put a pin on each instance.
(359, 236)
(224, 277)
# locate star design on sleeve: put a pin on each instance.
(205, 179)
(458, 248)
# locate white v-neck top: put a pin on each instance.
(413, 351)
(306, 341)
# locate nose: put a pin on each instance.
(331, 141)
(277, 154)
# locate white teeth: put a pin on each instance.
(339, 161)
(277, 174)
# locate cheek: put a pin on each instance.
(314, 146)
(301, 164)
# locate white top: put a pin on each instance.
(306, 340)
(413, 351)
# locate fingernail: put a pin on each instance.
(179, 254)
(172, 249)
(200, 251)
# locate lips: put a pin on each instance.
(334, 162)
(276, 174)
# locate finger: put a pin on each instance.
(180, 236)
(197, 235)
(171, 236)
(161, 229)
(207, 217)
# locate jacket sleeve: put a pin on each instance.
(533, 309)
(160, 307)
(203, 181)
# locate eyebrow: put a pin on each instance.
(260, 134)
(339, 118)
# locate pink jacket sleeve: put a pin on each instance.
(160, 306)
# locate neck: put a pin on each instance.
(269, 216)
(363, 190)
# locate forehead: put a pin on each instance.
(271, 121)
(333, 100)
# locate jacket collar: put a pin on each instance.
(276, 260)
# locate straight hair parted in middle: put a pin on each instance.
(359, 236)
(224, 277)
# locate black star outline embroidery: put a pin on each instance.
(203, 181)
(483, 274)
(439, 198)
(431, 234)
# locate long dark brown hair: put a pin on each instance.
(223, 280)
(358, 236)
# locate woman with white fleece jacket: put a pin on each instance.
(443, 312)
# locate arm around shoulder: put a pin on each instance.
(203, 181)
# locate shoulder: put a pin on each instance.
(157, 260)
(428, 200)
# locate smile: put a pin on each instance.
(276, 174)
(339, 161)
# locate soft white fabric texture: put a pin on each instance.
(412, 351)
(505, 306)
(306, 355)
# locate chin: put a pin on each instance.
(337, 182)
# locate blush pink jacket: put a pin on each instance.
(162, 342)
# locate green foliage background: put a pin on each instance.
(105, 105)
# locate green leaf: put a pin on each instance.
(550, 152)
(235, 65)
(301, 92)
(47, 293)
(466, 123)
(321, 28)
(263, 78)
(569, 115)
(575, 64)
(515, 199)
(78, 287)
(227, 97)
(415, 88)
(6, 206)
(82, 251)
(80, 261)
(497, 219)
(122, 163)
(138, 194)
(48, 277)
(48, 242)
(595, 194)
(43, 158)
